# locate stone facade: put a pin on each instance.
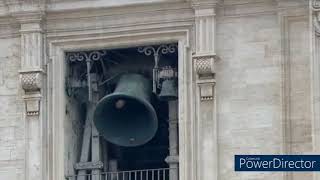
(248, 79)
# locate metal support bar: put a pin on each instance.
(157, 51)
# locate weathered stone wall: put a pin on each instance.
(263, 83)
(248, 91)
(11, 109)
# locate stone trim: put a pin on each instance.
(31, 83)
(204, 64)
(204, 67)
(56, 77)
(32, 102)
(29, 16)
(204, 59)
(315, 86)
(31, 80)
(206, 90)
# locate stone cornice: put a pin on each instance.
(133, 18)
(113, 7)
(92, 11)
(30, 11)
(29, 16)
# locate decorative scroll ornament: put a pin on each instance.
(88, 57)
(85, 56)
(156, 51)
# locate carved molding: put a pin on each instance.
(18, 6)
(204, 64)
(204, 67)
(32, 103)
(57, 109)
(31, 80)
(206, 90)
(30, 18)
(205, 3)
(204, 56)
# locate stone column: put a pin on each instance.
(31, 74)
(315, 71)
(204, 58)
(173, 158)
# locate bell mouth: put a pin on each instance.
(125, 120)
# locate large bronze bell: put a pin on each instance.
(126, 116)
(169, 90)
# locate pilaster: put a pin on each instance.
(204, 58)
(173, 158)
(315, 74)
(31, 78)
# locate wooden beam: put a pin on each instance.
(84, 157)
(96, 152)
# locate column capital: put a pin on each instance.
(31, 83)
(204, 64)
(205, 4)
(27, 12)
(31, 80)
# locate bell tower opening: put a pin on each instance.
(121, 115)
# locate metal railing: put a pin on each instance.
(145, 174)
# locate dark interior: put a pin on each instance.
(152, 154)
